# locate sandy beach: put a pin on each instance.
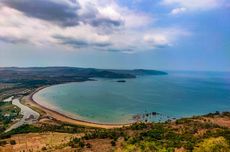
(28, 100)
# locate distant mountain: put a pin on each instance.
(84, 72)
(54, 75)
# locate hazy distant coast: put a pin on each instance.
(67, 74)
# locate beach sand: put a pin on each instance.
(28, 101)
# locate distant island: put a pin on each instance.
(121, 81)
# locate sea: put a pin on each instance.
(145, 98)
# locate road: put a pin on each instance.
(29, 116)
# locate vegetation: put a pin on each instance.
(44, 148)
(3, 142)
(8, 113)
(62, 127)
(218, 144)
(189, 134)
(12, 142)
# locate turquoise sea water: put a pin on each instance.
(179, 94)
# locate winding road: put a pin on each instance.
(29, 116)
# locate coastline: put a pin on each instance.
(61, 117)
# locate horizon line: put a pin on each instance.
(173, 70)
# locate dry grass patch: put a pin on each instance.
(38, 141)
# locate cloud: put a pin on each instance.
(178, 10)
(161, 37)
(157, 40)
(181, 6)
(60, 12)
(15, 27)
(9, 39)
(195, 4)
(82, 25)
(80, 43)
(65, 12)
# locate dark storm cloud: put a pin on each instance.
(60, 12)
(77, 43)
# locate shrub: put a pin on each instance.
(88, 145)
(81, 144)
(44, 148)
(129, 148)
(113, 143)
(3, 142)
(12, 142)
(76, 140)
(138, 126)
(213, 145)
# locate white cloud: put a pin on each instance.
(162, 37)
(178, 10)
(157, 40)
(195, 4)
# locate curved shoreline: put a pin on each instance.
(59, 116)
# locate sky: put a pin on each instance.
(120, 34)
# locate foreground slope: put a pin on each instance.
(209, 133)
